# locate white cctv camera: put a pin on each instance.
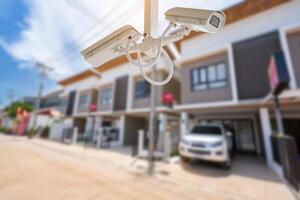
(197, 19)
(108, 48)
(127, 40)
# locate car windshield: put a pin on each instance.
(206, 130)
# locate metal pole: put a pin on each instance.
(150, 29)
(152, 119)
(278, 114)
(38, 102)
(43, 74)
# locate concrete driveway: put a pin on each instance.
(37, 169)
(249, 178)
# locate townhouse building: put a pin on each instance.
(224, 77)
(52, 107)
(219, 78)
(121, 98)
(54, 101)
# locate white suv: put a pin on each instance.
(207, 142)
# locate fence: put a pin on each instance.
(289, 161)
(108, 136)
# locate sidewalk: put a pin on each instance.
(39, 169)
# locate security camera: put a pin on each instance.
(128, 41)
(197, 19)
(108, 48)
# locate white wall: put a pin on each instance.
(82, 85)
(41, 121)
(68, 123)
(106, 77)
(56, 131)
(264, 22)
(267, 132)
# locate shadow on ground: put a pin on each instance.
(248, 166)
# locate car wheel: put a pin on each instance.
(184, 159)
(227, 164)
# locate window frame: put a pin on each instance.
(107, 100)
(208, 83)
(145, 95)
(85, 94)
(83, 106)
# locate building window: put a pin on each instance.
(106, 96)
(209, 77)
(83, 101)
(142, 89)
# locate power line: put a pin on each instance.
(64, 51)
(99, 33)
(71, 54)
(81, 8)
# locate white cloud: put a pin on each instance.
(59, 29)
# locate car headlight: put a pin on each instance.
(184, 141)
(215, 144)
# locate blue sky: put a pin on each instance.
(12, 77)
(54, 32)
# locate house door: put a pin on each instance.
(244, 136)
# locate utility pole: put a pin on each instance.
(150, 29)
(43, 72)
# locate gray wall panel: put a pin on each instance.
(252, 59)
(294, 46)
(211, 95)
(133, 125)
(120, 97)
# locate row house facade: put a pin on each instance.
(120, 99)
(224, 77)
(219, 78)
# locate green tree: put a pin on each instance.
(11, 110)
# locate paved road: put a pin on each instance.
(36, 169)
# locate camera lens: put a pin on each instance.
(215, 21)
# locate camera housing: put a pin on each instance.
(197, 19)
(127, 40)
(108, 48)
